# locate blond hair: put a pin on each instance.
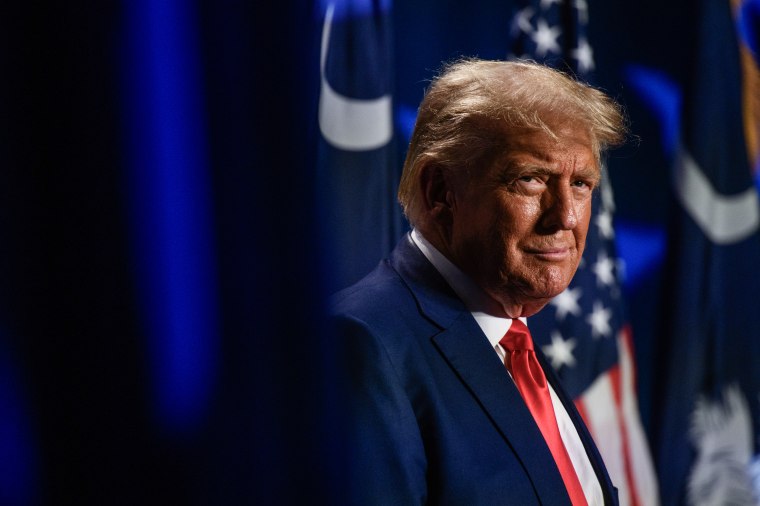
(463, 116)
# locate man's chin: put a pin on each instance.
(526, 304)
(553, 283)
(540, 298)
(531, 295)
(533, 307)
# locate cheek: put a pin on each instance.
(518, 217)
(584, 221)
(585, 214)
(525, 211)
(506, 236)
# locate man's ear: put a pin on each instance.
(438, 200)
(437, 193)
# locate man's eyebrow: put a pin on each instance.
(590, 172)
(514, 167)
(533, 168)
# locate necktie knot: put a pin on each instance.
(517, 338)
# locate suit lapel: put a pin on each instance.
(468, 352)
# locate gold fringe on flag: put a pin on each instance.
(750, 96)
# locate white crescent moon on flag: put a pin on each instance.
(724, 219)
(349, 123)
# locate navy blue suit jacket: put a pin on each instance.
(433, 416)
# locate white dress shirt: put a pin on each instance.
(495, 328)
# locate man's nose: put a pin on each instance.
(560, 209)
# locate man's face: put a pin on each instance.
(519, 226)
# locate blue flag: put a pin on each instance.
(584, 331)
(358, 166)
(707, 411)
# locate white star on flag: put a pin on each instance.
(546, 4)
(608, 196)
(582, 7)
(545, 38)
(584, 55)
(604, 222)
(567, 302)
(603, 268)
(522, 21)
(599, 319)
(560, 351)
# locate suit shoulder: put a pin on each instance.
(381, 290)
(382, 306)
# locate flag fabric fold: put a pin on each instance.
(357, 165)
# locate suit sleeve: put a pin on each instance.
(386, 463)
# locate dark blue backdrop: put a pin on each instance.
(160, 334)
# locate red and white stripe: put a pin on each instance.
(610, 409)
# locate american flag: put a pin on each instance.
(583, 331)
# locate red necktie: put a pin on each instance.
(530, 380)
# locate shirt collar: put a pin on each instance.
(472, 295)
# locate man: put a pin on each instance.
(444, 407)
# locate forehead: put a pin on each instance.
(562, 147)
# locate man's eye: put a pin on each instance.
(580, 184)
